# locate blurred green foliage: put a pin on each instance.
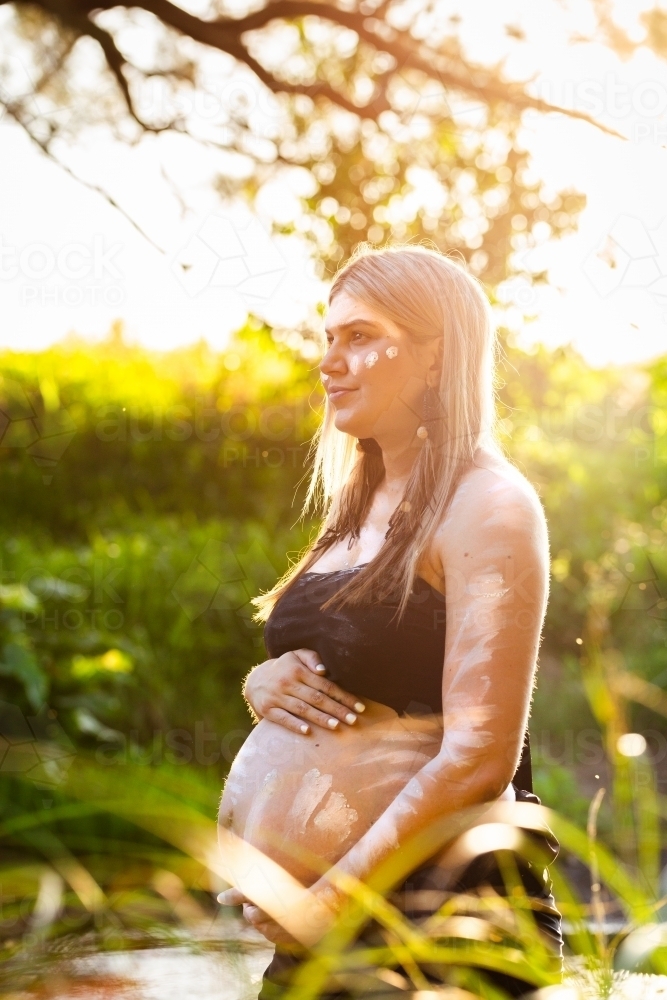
(147, 498)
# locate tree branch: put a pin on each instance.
(82, 25)
(225, 34)
(14, 112)
(116, 62)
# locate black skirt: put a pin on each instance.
(425, 882)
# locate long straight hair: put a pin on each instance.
(427, 294)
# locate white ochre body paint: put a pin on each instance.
(337, 817)
(370, 359)
(354, 365)
(488, 583)
(314, 786)
(391, 352)
(255, 815)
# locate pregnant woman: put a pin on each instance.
(403, 643)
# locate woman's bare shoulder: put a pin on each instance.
(493, 492)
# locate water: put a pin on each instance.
(178, 974)
(220, 960)
(229, 966)
(167, 974)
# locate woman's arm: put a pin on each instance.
(495, 552)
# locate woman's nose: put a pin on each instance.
(333, 362)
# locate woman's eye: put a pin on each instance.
(357, 333)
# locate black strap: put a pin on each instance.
(523, 776)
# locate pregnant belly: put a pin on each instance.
(304, 800)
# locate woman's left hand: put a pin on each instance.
(266, 925)
(260, 920)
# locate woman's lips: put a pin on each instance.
(338, 393)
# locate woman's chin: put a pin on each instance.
(343, 418)
(346, 423)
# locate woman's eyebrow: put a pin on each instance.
(354, 322)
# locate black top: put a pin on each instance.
(364, 653)
(398, 664)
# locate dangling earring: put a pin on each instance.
(429, 410)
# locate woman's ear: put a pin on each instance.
(435, 368)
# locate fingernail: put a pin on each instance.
(332, 723)
(221, 898)
(349, 718)
(320, 668)
(359, 707)
(305, 729)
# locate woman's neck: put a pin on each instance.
(398, 465)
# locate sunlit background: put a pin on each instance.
(166, 185)
(160, 300)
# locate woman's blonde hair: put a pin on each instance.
(427, 294)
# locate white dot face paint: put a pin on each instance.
(371, 359)
(324, 377)
(354, 365)
(391, 352)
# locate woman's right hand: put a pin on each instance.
(291, 691)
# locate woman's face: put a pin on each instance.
(383, 372)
